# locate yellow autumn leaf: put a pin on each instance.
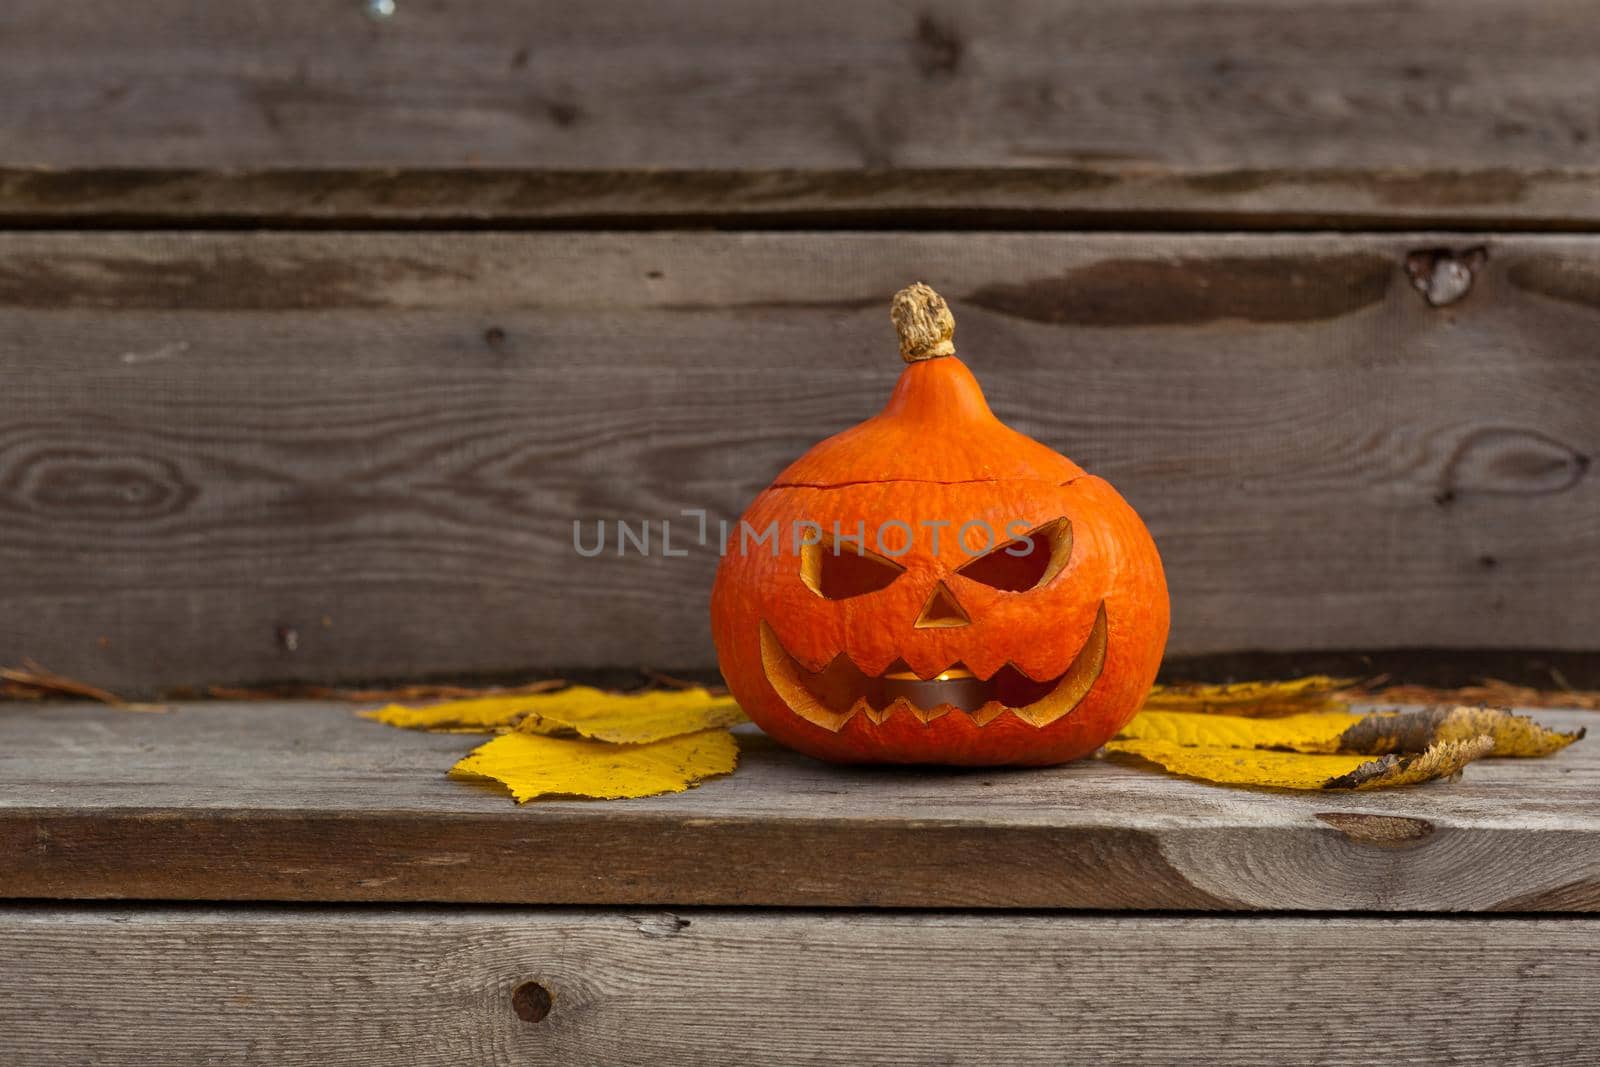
(1317, 731)
(633, 718)
(483, 715)
(1372, 734)
(1312, 693)
(1297, 770)
(531, 765)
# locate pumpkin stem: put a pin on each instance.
(924, 323)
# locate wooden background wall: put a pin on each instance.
(318, 330)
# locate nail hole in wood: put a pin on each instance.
(288, 638)
(532, 1002)
(1444, 276)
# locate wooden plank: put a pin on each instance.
(1100, 197)
(308, 802)
(297, 986)
(695, 83)
(238, 457)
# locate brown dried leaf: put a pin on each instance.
(31, 681)
(1293, 697)
(430, 691)
(1492, 691)
(1417, 730)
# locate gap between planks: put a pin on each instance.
(1004, 198)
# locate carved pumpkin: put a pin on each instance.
(931, 586)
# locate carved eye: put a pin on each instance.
(841, 571)
(1026, 563)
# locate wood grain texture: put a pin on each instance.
(1105, 196)
(308, 802)
(238, 457)
(695, 83)
(431, 987)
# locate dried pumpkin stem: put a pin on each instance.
(924, 323)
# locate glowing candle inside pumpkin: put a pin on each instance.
(958, 688)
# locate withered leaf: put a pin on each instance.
(1315, 692)
(1415, 730)
(1297, 770)
(1372, 733)
(1332, 750)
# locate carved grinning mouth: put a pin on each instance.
(840, 691)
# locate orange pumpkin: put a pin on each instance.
(932, 586)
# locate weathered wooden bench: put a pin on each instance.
(791, 913)
(322, 322)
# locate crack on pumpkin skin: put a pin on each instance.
(923, 481)
(877, 698)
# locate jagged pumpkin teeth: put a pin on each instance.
(988, 713)
(831, 696)
(1029, 635)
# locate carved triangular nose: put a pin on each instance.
(941, 611)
